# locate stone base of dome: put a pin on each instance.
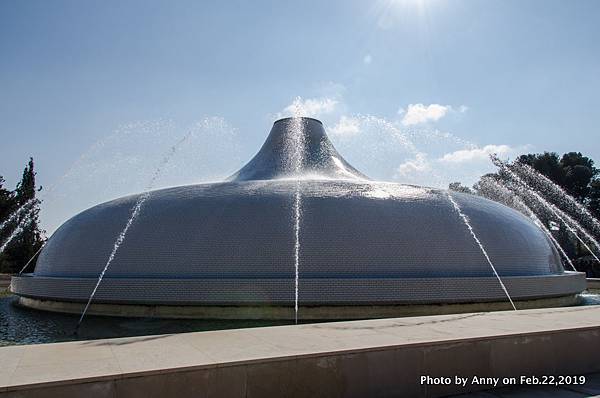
(279, 292)
(325, 312)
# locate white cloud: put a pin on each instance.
(419, 113)
(476, 154)
(367, 59)
(386, 150)
(311, 107)
(346, 126)
(419, 164)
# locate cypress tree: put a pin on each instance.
(7, 201)
(29, 238)
(7, 207)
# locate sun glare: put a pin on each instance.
(389, 13)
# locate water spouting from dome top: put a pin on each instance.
(297, 148)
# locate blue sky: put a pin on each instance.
(416, 91)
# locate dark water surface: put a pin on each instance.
(20, 325)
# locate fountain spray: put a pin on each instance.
(18, 229)
(511, 198)
(137, 208)
(564, 218)
(296, 145)
(546, 186)
(18, 212)
(476, 239)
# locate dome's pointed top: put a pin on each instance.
(297, 147)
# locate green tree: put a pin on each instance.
(547, 163)
(579, 173)
(7, 207)
(7, 201)
(594, 198)
(29, 237)
(458, 187)
(573, 171)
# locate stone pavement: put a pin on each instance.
(385, 357)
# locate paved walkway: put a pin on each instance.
(360, 358)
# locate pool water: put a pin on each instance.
(19, 325)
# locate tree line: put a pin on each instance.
(20, 233)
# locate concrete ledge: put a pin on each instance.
(264, 312)
(362, 358)
(593, 284)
